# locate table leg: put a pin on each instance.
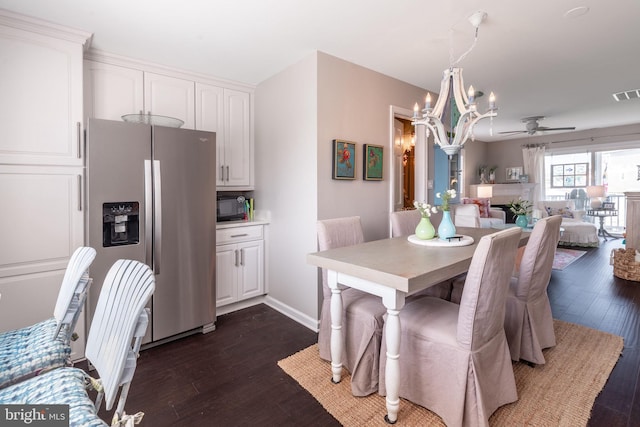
(392, 369)
(394, 303)
(337, 339)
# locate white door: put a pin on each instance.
(250, 284)
(226, 275)
(171, 97)
(112, 91)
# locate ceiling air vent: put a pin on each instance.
(630, 94)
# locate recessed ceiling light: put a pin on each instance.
(576, 12)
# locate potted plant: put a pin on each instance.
(521, 208)
(446, 229)
(424, 229)
(492, 174)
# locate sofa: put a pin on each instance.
(575, 231)
(489, 217)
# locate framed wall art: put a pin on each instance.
(344, 159)
(513, 174)
(372, 165)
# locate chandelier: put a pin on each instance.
(463, 112)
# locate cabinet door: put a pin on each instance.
(41, 230)
(112, 91)
(44, 224)
(41, 99)
(226, 275)
(251, 280)
(210, 117)
(238, 160)
(171, 97)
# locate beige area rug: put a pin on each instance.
(559, 393)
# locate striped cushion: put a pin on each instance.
(27, 351)
(64, 386)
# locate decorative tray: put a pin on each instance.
(152, 119)
(458, 240)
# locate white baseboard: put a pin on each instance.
(277, 305)
(292, 313)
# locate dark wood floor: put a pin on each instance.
(230, 378)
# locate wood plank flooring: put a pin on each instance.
(230, 378)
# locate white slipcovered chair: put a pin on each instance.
(28, 351)
(116, 332)
(467, 216)
(454, 359)
(362, 313)
(528, 320)
(403, 223)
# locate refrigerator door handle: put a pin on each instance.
(157, 212)
(148, 213)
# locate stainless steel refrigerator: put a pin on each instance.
(151, 195)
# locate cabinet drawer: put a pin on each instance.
(238, 234)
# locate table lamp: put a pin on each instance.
(485, 191)
(595, 193)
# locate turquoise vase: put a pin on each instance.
(446, 229)
(425, 230)
(522, 221)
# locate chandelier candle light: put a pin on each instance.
(452, 89)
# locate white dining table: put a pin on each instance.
(391, 269)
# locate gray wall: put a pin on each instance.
(299, 112)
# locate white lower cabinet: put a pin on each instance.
(239, 264)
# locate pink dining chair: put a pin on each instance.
(403, 223)
(362, 313)
(454, 359)
(528, 321)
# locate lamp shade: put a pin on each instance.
(595, 191)
(485, 191)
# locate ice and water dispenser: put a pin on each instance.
(120, 223)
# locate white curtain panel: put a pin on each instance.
(533, 159)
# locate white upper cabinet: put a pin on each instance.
(115, 87)
(41, 92)
(228, 113)
(238, 153)
(112, 91)
(171, 97)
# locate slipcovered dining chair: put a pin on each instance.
(454, 359)
(403, 223)
(116, 332)
(467, 215)
(362, 313)
(28, 351)
(528, 319)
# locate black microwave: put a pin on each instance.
(230, 208)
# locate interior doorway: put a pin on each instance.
(405, 161)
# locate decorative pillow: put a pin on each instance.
(484, 205)
(563, 212)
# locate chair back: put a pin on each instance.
(120, 319)
(73, 291)
(482, 306)
(467, 215)
(336, 233)
(537, 259)
(404, 223)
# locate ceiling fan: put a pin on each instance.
(532, 126)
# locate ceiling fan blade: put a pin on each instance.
(512, 132)
(545, 129)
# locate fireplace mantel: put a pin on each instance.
(504, 193)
